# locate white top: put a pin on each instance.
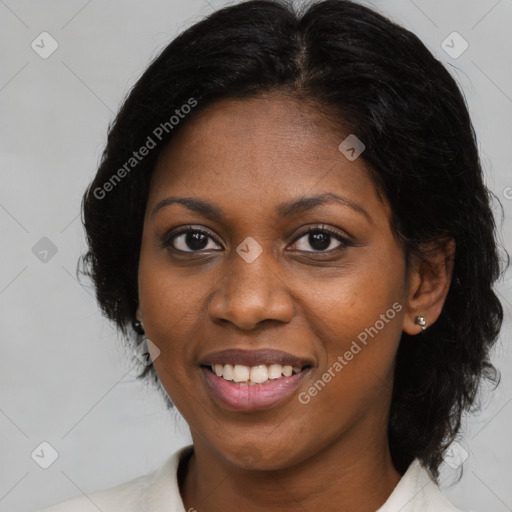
(158, 491)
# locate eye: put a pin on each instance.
(190, 239)
(320, 238)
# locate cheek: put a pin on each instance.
(358, 316)
(343, 305)
(168, 294)
(358, 351)
(364, 331)
(171, 305)
(170, 309)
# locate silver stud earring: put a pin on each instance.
(138, 326)
(420, 320)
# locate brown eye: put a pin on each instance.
(190, 240)
(321, 239)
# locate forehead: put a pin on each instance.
(261, 149)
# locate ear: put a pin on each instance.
(429, 278)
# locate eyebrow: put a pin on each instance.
(284, 210)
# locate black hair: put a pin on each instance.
(380, 82)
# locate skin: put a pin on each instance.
(247, 157)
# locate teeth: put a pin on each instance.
(274, 371)
(227, 371)
(241, 373)
(255, 374)
(287, 371)
(259, 374)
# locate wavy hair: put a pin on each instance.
(378, 80)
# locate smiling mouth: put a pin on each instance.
(244, 394)
(252, 375)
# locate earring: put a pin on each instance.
(420, 320)
(138, 326)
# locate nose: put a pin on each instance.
(250, 294)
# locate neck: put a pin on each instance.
(336, 478)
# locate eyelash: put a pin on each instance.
(345, 242)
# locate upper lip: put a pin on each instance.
(254, 358)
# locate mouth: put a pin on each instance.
(252, 380)
(253, 375)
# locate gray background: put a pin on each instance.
(64, 377)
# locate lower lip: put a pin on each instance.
(244, 397)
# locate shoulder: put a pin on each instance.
(120, 497)
(417, 492)
(158, 487)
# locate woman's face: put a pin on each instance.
(250, 277)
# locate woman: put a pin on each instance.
(290, 210)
